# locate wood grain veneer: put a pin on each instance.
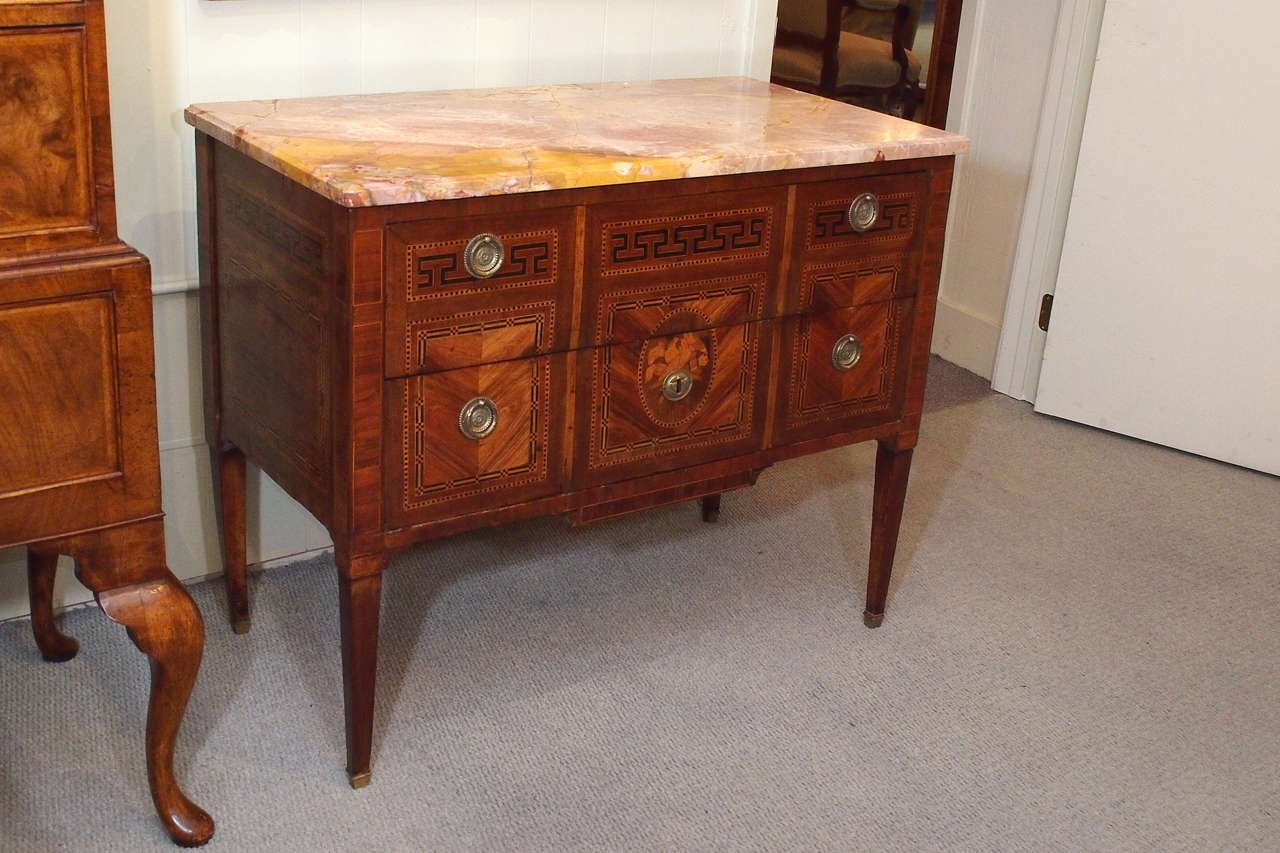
(79, 457)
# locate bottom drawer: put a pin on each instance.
(842, 370)
(671, 401)
(474, 438)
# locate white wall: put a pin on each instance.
(164, 54)
(996, 100)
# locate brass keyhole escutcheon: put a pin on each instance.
(846, 352)
(676, 385)
(478, 418)
(863, 212)
(483, 256)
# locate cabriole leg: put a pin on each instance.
(42, 570)
(125, 569)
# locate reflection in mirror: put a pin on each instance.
(894, 56)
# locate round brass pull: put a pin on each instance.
(846, 352)
(676, 385)
(478, 418)
(863, 212)
(484, 255)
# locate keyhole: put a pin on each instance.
(677, 385)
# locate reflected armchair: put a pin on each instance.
(831, 48)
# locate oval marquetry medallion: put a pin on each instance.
(660, 356)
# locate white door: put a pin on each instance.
(1166, 316)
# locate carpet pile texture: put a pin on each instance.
(1081, 653)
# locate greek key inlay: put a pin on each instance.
(437, 269)
(674, 241)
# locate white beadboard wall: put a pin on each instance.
(165, 54)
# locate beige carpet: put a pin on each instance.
(1081, 653)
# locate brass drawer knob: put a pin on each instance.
(676, 385)
(863, 212)
(484, 256)
(846, 352)
(478, 418)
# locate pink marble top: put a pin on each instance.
(362, 150)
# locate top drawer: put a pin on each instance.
(713, 256)
(824, 223)
(478, 289)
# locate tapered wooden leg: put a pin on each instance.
(711, 508)
(42, 569)
(229, 494)
(892, 470)
(360, 598)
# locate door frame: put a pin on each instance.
(1048, 200)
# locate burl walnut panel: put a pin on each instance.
(59, 392)
(56, 188)
(78, 434)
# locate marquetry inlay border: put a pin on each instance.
(827, 222)
(417, 442)
(687, 239)
(532, 258)
(419, 334)
(603, 454)
(881, 400)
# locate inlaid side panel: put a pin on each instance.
(274, 273)
(58, 387)
(46, 164)
(440, 316)
(439, 463)
(673, 400)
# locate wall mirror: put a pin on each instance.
(895, 56)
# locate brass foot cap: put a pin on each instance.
(872, 620)
(360, 780)
(241, 626)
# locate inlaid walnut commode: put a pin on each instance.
(431, 312)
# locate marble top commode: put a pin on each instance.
(363, 150)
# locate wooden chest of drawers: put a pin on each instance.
(79, 456)
(417, 369)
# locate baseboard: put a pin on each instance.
(76, 602)
(962, 337)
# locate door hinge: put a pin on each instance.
(1046, 308)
